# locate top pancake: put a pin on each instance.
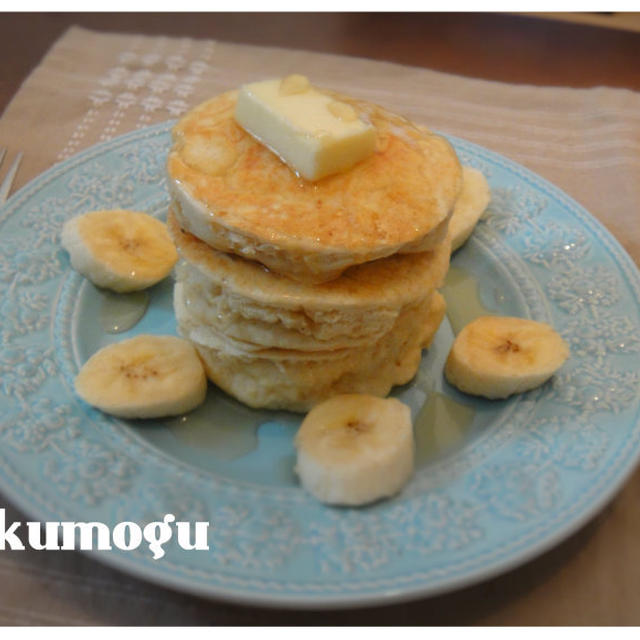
(239, 197)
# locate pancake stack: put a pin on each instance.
(294, 291)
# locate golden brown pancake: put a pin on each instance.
(239, 197)
(391, 282)
(251, 309)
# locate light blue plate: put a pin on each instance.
(527, 473)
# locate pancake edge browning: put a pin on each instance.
(388, 283)
(249, 203)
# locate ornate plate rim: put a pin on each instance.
(611, 480)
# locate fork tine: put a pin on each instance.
(8, 180)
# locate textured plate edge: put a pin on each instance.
(230, 594)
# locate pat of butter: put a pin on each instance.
(311, 132)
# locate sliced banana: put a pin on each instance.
(496, 356)
(119, 250)
(144, 377)
(469, 207)
(354, 449)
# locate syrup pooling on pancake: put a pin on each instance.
(236, 195)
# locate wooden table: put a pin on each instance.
(501, 47)
(549, 590)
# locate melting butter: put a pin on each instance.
(313, 133)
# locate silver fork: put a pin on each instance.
(5, 187)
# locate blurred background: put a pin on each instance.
(560, 49)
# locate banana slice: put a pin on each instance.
(470, 205)
(354, 449)
(497, 356)
(119, 250)
(144, 377)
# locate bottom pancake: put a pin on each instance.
(203, 329)
(298, 383)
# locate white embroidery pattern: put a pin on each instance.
(150, 85)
